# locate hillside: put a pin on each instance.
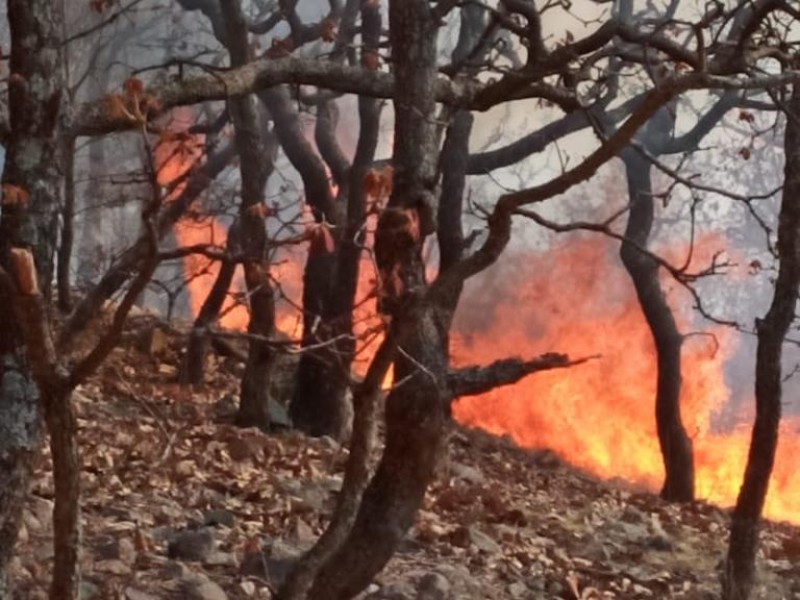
(179, 503)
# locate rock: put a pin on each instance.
(219, 516)
(433, 586)
(517, 589)
(273, 563)
(192, 544)
(466, 473)
(112, 566)
(278, 415)
(303, 534)
(42, 508)
(463, 537)
(660, 543)
(555, 589)
(221, 559)
(394, 591)
(195, 586)
(88, 591)
(312, 495)
(134, 594)
(123, 549)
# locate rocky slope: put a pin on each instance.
(179, 503)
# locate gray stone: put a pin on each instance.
(394, 591)
(88, 591)
(195, 586)
(483, 542)
(134, 594)
(517, 589)
(220, 516)
(433, 586)
(192, 544)
(109, 548)
(273, 563)
(466, 473)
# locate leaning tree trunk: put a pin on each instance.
(319, 404)
(193, 367)
(416, 412)
(739, 578)
(676, 447)
(316, 406)
(255, 167)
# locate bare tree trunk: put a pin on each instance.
(255, 167)
(193, 368)
(416, 412)
(32, 183)
(20, 439)
(67, 230)
(63, 428)
(740, 576)
(317, 406)
(676, 447)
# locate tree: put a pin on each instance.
(572, 74)
(739, 576)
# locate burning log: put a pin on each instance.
(475, 380)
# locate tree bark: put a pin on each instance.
(416, 412)
(319, 403)
(32, 184)
(193, 368)
(739, 578)
(255, 168)
(20, 440)
(676, 447)
(67, 230)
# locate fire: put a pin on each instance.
(600, 416)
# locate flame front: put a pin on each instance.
(600, 416)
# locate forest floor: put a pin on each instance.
(179, 503)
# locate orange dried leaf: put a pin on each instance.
(412, 223)
(13, 194)
(321, 239)
(329, 29)
(371, 61)
(280, 48)
(133, 87)
(260, 210)
(25, 270)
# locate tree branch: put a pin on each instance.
(475, 380)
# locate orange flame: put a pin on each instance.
(600, 416)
